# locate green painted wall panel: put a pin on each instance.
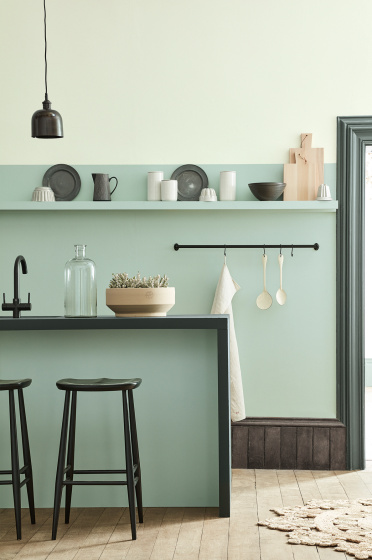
(287, 353)
(176, 408)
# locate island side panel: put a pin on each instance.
(176, 406)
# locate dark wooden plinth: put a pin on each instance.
(289, 443)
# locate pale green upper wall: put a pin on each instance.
(144, 81)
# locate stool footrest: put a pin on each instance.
(95, 482)
(102, 471)
(24, 481)
(21, 471)
(4, 482)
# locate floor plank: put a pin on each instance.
(272, 544)
(215, 537)
(244, 538)
(190, 535)
(329, 485)
(353, 485)
(166, 540)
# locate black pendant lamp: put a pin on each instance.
(46, 122)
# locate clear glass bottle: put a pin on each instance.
(80, 285)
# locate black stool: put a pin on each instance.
(11, 386)
(132, 461)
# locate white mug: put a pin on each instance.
(227, 185)
(169, 189)
(154, 179)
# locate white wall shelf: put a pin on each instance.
(299, 206)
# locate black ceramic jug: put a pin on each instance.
(102, 186)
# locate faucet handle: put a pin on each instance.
(6, 306)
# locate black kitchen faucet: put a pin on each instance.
(17, 306)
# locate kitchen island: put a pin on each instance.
(178, 462)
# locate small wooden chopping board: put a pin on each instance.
(310, 172)
(305, 178)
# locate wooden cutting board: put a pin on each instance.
(290, 179)
(310, 172)
(305, 179)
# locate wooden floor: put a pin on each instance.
(188, 533)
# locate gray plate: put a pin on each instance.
(63, 180)
(191, 180)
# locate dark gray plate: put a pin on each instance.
(191, 180)
(63, 180)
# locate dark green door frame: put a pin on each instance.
(353, 135)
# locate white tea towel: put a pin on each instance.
(225, 291)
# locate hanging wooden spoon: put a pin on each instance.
(264, 300)
(281, 296)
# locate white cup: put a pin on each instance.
(154, 179)
(227, 185)
(169, 189)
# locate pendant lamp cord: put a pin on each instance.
(45, 54)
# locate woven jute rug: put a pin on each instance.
(342, 524)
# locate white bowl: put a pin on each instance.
(43, 194)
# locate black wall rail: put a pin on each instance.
(315, 246)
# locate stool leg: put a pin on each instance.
(16, 483)
(129, 467)
(60, 466)
(26, 455)
(70, 456)
(136, 459)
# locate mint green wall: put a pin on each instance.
(287, 353)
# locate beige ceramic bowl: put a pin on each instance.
(140, 302)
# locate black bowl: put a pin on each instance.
(267, 191)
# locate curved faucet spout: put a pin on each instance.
(17, 306)
(20, 260)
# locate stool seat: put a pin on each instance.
(103, 384)
(9, 385)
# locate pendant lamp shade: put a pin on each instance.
(46, 122)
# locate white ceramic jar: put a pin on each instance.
(169, 189)
(154, 179)
(227, 185)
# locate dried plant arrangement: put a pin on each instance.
(122, 280)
